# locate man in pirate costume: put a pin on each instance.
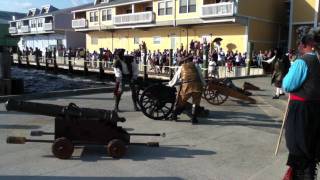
(126, 72)
(192, 83)
(303, 123)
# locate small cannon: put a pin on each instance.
(76, 126)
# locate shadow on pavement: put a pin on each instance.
(83, 178)
(17, 126)
(139, 153)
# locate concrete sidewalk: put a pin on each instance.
(236, 142)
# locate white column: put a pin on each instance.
(132, 7)
(316, 12)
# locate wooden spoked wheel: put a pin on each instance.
(157, 102)
(214, 96)
(62, 148)
(117, 148)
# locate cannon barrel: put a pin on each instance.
(71, 110)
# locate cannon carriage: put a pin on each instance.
(78, 126)
(157, 100)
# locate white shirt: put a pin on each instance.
(135, 71)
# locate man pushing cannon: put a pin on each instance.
(192, 83)
(126, 72)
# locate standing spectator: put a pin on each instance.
(221, 57)
(278, 74)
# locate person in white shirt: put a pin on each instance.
(126, 72)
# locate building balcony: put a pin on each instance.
(13, 30)
(47, 27)
(134, 18)
(79, 23)
(25, 29)
(218, 10)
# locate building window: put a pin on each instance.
(40, 23)
(106, 15)
(33, 23)
(96, 16)
(165, 8)
(136, 40)
(156, 40)
(109, 15)
(94, 41)
(169, 7)
(187, 6)
(91, 16)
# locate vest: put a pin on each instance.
(310, 89)
(190, 78)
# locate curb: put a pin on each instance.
(52, 94)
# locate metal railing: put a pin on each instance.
(25, 29)
(156, 71)
(79, 23)
(13, 30)
(218, 10)
(134, 18)
(48, 27)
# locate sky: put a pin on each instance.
(24, 5)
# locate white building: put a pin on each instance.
(47, 27)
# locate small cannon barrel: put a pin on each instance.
(34, 108)
(71, 110)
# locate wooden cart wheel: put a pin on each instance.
(62, 148)
(157, 102)
(117, 148)
(214, 97)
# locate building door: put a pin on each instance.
(173, 41)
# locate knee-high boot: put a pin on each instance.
(117, 101)
(135, 99)
(308, 173)
(195, 112)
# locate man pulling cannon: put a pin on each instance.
(126, 72)
(192, 83)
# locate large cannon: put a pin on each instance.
(76, 126)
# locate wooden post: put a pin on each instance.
(27, 60)
(205, 62)
(55, 65)
(69, 62)
(85, 64)
(145, 65)
(19, 58)
(171, 63)
(101, 70)
(37, 58)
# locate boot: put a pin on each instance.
(117, 101)
(195, 110)
(135, 101)
(305, 174)
(175, 113)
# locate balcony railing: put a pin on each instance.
(13, 30)
(134, 18)
(79, 23)
(25, 29)
(47, 27)
(218, 10)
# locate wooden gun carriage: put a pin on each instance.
(78, 126)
